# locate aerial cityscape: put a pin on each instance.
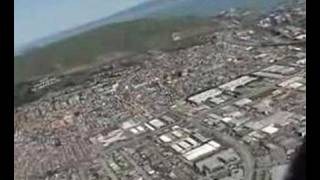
(229, 106)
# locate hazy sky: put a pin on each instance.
(34, 19)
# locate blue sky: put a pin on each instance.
(34, 19)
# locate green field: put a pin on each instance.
(86, 48)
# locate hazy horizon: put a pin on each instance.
(37, 19)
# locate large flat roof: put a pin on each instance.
(201, 150)
(201, 97)
(282, 118)
(157, 123)
(232, 85)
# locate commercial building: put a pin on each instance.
(281, 118)
(217, 162)
(157, 123)
(200, 98)
(279, 69)
(232, 85)
(201, 151)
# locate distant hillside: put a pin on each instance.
(86, 48)
(125, 32)
(159, 9)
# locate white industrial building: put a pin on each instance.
(281, 118)
(279, 69)
(268, 75)
(201, 151)
(218, 162)
(201, 97)
(270, 129)
(290, 81)
(165, 138)
(157, 123)
(232, 85)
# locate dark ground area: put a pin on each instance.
(298, 168)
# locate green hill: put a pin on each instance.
(86, 48)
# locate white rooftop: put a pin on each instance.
(232, 85)
(302, 61)
(282, 118)
(226, 119)
(199, 98)
(214, 144)
(176, 148)
(177, 133)
(295, 85)
(140, 128)
(216, 100)
(191, 141)
(184, 144)
(128, 124)
(157, 123)
(269, 75)
(279, 69)
(134, 130)
(290, 81)
(243, 102)
(165, 138)
(201, 150)
(149, 127)
(270, 129)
